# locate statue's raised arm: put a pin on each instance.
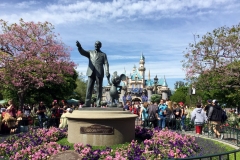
(78, 44)
(95, 71)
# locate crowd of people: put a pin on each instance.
(167, 114)
(14, 120)
(162, 114)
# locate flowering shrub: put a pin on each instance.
(86, 152)
(36, 144)
(143, 133)
(162, 145)
(169, 144)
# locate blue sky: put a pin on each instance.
(160, 29)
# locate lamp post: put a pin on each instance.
(191, 91)
(155, 84)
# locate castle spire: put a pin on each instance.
(149, 75)
(164, 82)
(142, 57)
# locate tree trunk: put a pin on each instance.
(20, 99)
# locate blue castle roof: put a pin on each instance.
(161, 82)
(136, 74)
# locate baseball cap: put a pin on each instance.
(180, 103)
(209, 101)
(214, 101)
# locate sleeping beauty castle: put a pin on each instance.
(138, 87)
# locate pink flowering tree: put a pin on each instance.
(212, 63)
(32, 55)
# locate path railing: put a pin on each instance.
(232, 155)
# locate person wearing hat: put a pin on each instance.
(215, 117)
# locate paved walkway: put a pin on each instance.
(225, 140)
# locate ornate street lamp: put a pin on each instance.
(155, 83)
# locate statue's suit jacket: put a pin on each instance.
(96, 61)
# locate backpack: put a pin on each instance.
(172, 116)
(151, 113)
(224, 116)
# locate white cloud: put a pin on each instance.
(25, 4)
(118, 10)
(161, 29)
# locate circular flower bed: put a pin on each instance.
(154, 144)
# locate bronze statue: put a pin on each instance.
(115, 89)
(95, 71)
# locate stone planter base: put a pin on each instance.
(101, 127)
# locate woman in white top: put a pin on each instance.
(63, 119)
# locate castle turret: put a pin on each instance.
(134, 68)
(149, 92)
(164, 89)
(142, 68)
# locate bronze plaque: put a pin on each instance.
(97, 129)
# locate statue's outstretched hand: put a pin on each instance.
(108, 78)
(78, 45)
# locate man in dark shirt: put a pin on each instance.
(209, 104)
(41, 113)
(177, 110)
(153, 110)
(214, 117)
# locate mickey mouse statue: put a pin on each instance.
(115, 89)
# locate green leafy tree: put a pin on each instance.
(180, 95)
(47, 93)
(52, 91)
(80, 91)
(212, 64)
(179, 84)
(155, 98)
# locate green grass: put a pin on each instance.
(114, 147)
(228, 149)
(65, 142)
